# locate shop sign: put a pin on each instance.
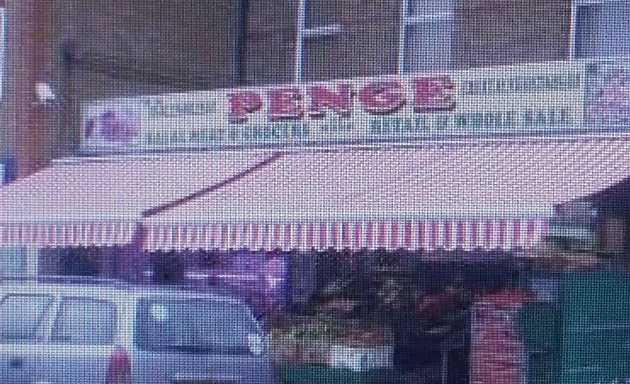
(608, 94)
(517, 100)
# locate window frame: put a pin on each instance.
(33, 336)
(58, 313)
(304, 33)
(141, 318)
(12, 254)
(408, 21)
(574, 30)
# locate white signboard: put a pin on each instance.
(517, 100)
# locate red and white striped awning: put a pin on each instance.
(483, 195)
(68, 234)
(428, 235)
(100, 202)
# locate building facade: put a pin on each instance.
(88, 50)
(407, 153)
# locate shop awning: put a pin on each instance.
(456, 196)
(99, 202)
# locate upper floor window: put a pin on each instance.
(345, 39)
(426, 35)
(313, 26)
(601, 28)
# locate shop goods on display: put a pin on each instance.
(498, 353)
(332, 343)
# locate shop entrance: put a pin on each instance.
(406, 314)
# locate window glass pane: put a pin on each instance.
(321, 62)
(202, 325)
(223, 325)
(586, 30)
(12, 260)
(85, 321)
(427, 7)
(365, 44)
(428, 46)
(321, 13)
(20, 315)
(369, 51)
(603, 29)
(270, 42)
(271, 59)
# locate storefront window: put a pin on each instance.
(601, 28)
(70, 261)
(167, 268)
(12, 261)
(258, 278)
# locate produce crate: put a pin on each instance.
(331, 342)
(360, 359)
(324, 374)
(498, 354)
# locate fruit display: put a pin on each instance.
(548, 256)
(311, 339)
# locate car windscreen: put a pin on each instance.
(194, 326)
(20, 316)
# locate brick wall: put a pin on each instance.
(495, 32)
(271, 41)
(29, 130)
(119, 48)
(367, 44)
(153, 45)
(133, 47)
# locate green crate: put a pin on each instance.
(323, 374)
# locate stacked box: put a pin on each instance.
(497, 352)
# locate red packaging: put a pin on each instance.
(497, 352)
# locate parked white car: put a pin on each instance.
(89, 333)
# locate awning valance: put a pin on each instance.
(483, 195)
(100, 202)
(68, 234)
(449, 234)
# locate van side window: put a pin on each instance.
(85, 321)
(21, 315)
